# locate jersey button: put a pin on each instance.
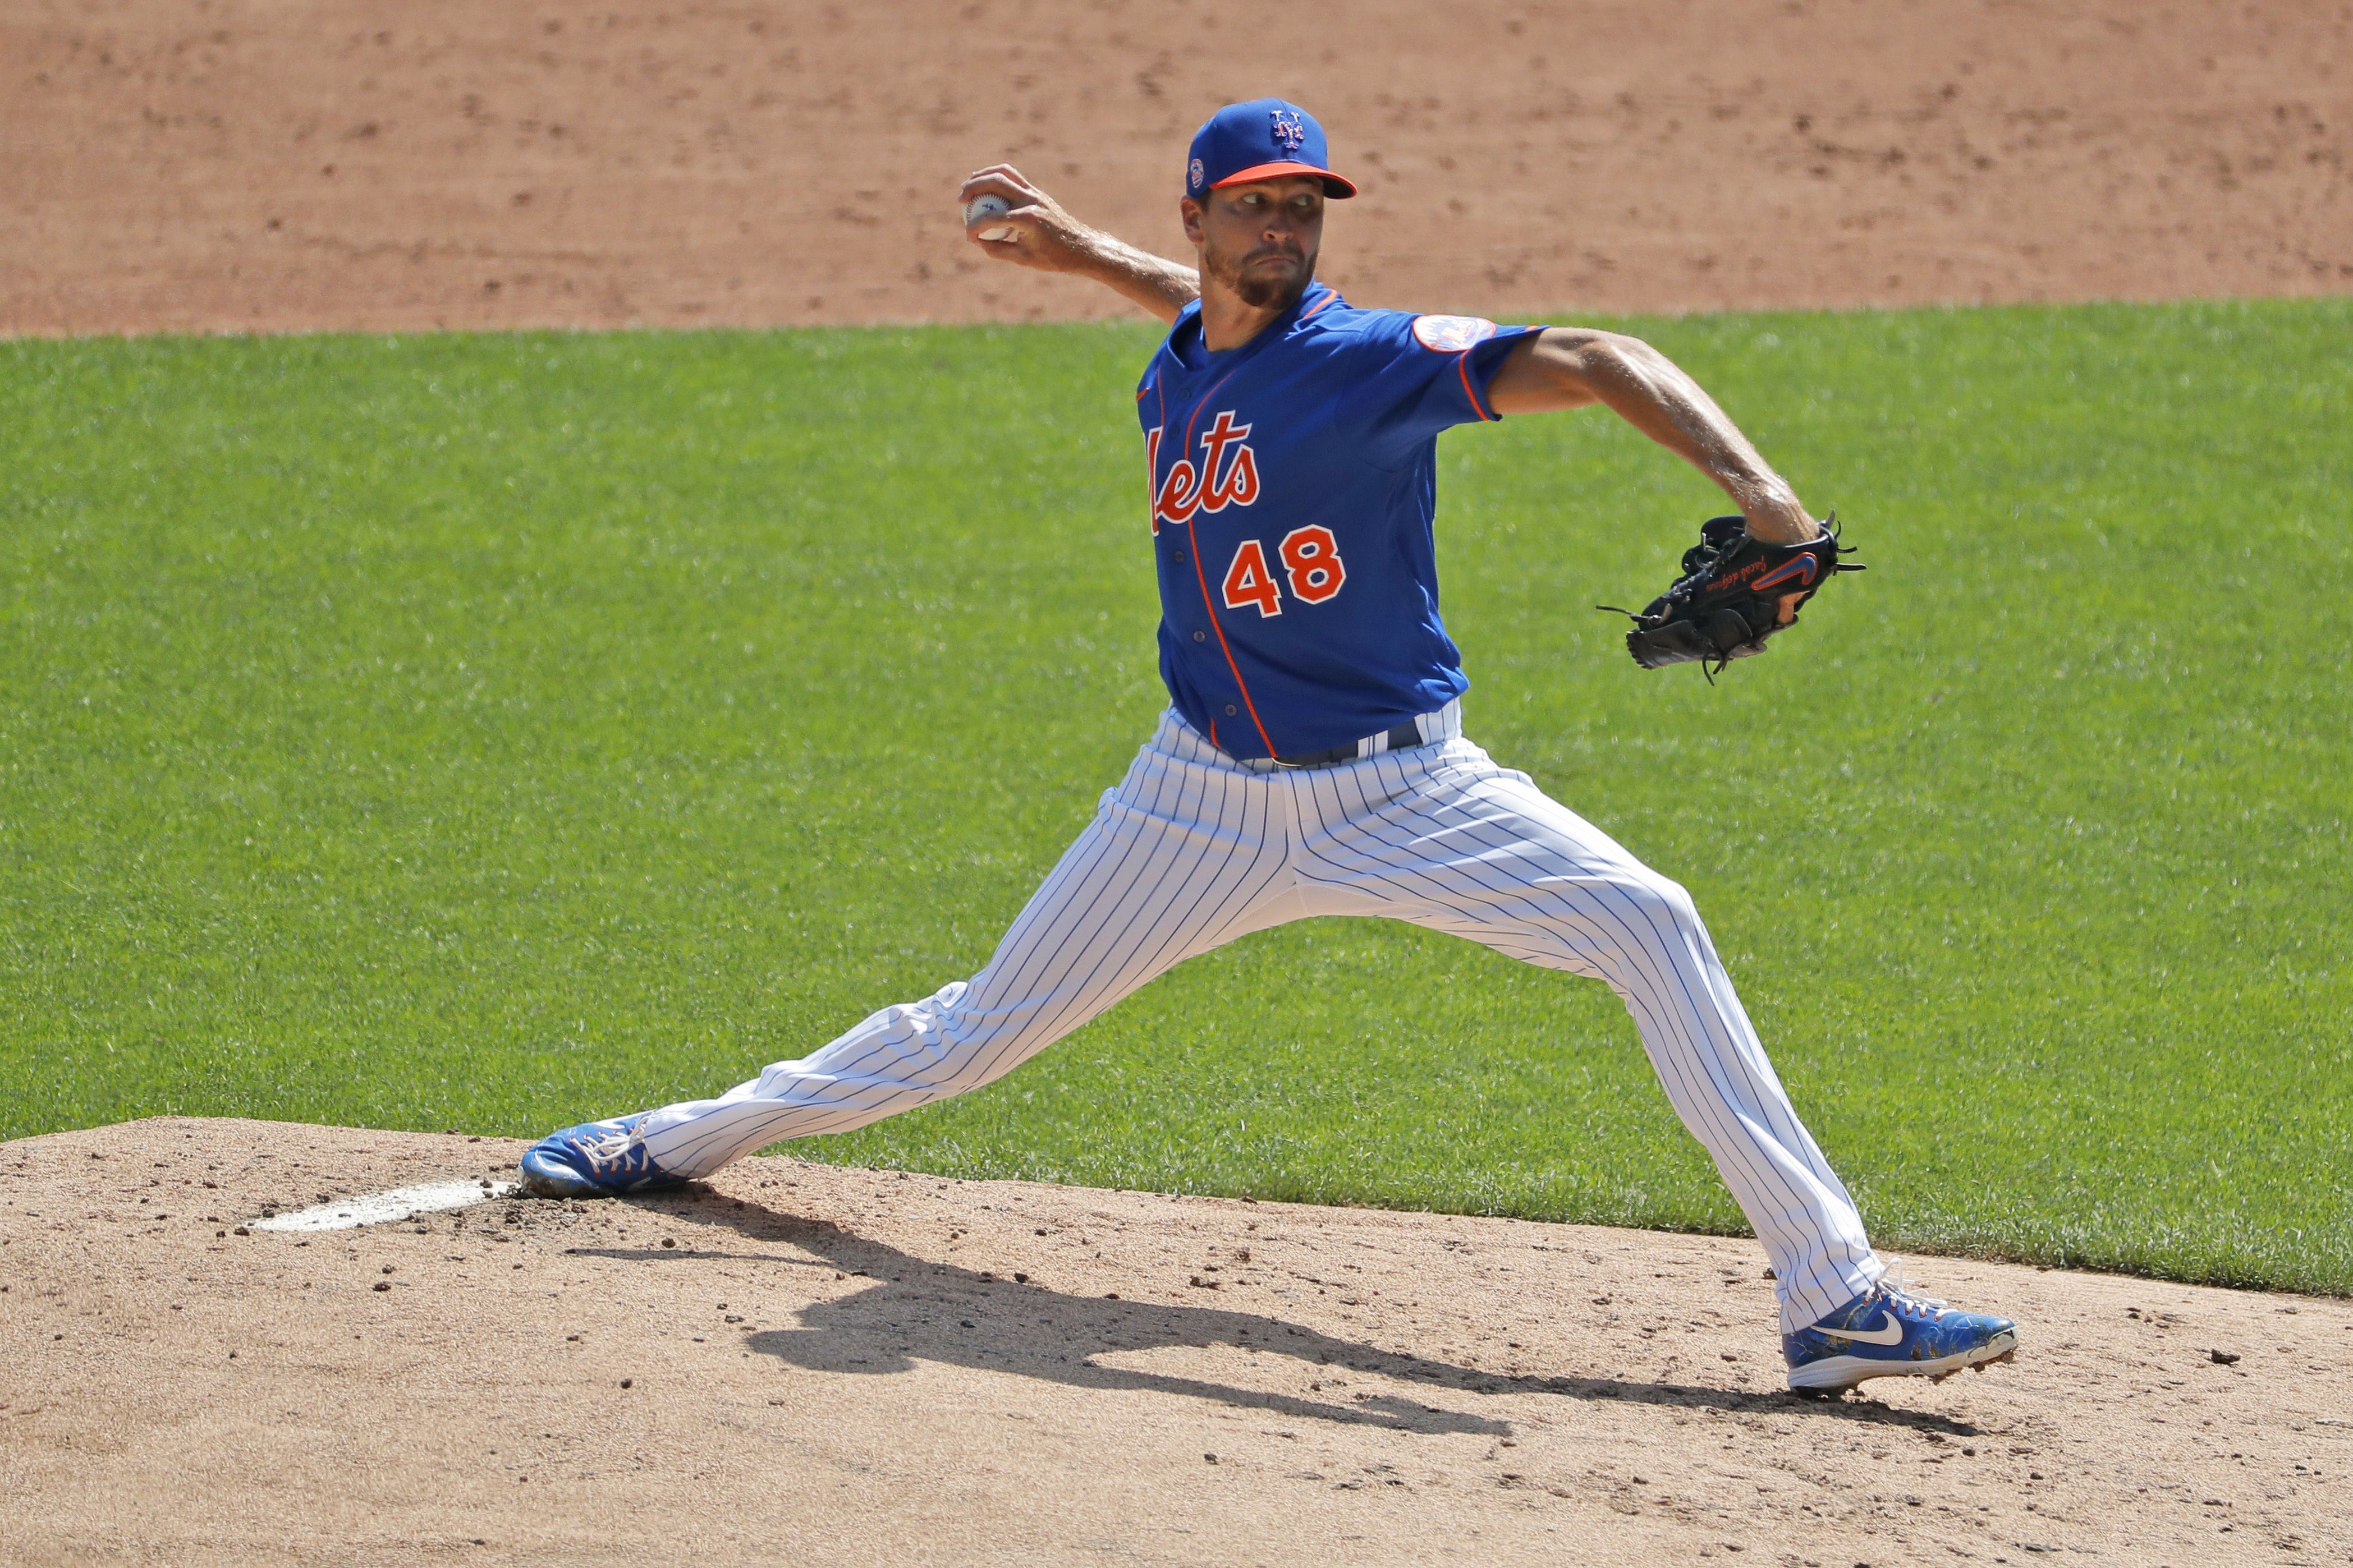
(1200, 637)
(1229, 710)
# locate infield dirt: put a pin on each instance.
(262, 164)
(803, 1364)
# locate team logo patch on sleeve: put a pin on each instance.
(1451, 334)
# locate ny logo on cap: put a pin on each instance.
(1288, 132)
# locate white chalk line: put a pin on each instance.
(377, 1208)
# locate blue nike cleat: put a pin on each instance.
(595, 1160)
(1888, 1331)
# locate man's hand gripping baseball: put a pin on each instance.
(1039, 233)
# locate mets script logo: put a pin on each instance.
(1451, 334)
(1288, 134)
(1225, 476)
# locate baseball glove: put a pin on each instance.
(1731, 595)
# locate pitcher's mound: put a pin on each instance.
(805, 1365)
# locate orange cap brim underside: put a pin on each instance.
(1333, 185)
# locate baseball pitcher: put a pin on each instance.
(1312, 759)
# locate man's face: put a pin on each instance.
(1260, 240)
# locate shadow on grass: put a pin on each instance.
(921, 1310)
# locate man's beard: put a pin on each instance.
(1261, 289)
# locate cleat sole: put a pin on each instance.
(1834, 1376)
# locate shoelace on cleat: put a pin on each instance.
(612, 1148)
(1897, 1283)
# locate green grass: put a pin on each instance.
(492, 731)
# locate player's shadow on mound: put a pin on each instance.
(919, 1310)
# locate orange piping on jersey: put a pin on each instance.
(1201, 574)
(1319, 304)
(1218, 627)
(1463, 363)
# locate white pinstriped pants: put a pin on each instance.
(1194, 849)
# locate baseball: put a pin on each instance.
(981, 208)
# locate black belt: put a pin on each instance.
(1404, 738)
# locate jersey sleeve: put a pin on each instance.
(1417, 376)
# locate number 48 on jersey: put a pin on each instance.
(1311, 565)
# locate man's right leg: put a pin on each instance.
(1182, 856)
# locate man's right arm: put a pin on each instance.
(1051, 240)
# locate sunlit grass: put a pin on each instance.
(496, 732)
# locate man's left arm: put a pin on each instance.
(1570, 367)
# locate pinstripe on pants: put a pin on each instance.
(1193, 849)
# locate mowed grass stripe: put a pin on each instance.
(493, 732)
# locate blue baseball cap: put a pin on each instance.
(1264, 139)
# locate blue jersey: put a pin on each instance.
(1294, 486)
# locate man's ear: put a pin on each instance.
(1189, 211)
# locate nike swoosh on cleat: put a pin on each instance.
(1889, 1333)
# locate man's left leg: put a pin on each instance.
(1440, 836)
